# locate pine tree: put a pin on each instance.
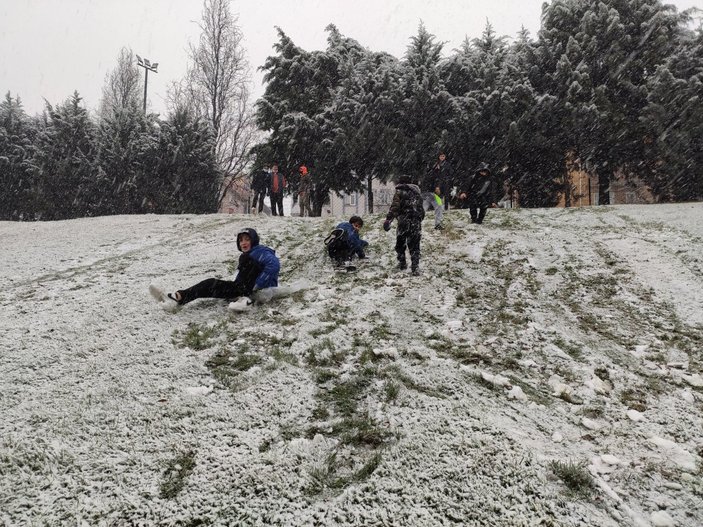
(124, 139)
(611, 48)
(66, 183)
(427, 108)
(362, 120)
(181, 173)
(16, 200)
(674, 121)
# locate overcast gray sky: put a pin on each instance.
(49, 48)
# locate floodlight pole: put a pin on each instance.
(144, 63)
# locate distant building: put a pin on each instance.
(356, 203)
(584, 187)
(631, 190)
(237, 196)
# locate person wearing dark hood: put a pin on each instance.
(407, 206)
(258, 269)
(479, 193)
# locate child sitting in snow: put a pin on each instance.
(258, 269)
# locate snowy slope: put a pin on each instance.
(541, 339)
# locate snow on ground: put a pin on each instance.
(545, 369)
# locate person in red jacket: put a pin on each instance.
(278, 185)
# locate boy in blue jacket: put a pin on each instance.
(342, 248)
(258, 269)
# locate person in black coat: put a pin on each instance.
(441, 177)
(259, 186)
(480, 193)
(407, 206)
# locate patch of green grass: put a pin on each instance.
(407, 381)
(368, 356)
(226, 366)
(575, 476)
(327, 478)
(361, 431)
(391, 389)
(322, 330)
(174, 477)
(594, 411)
(324, 353)
(535, 394)
(322, 376)
(466, 356)
(345, 396)
(575, 351)
(320, 412)
(382, 331)
(197, 337)
(440, 343)
(282, 356)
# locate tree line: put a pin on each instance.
(615, 85)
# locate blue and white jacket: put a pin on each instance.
(356, 244)
(264, 256)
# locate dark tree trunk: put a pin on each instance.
(369, 190)
(604, 189)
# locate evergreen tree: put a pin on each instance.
(300, 85)
(122, 89)
(427, 108)
(65, 182)
(15, 154)
(673, 120)
(609, 49)
(362, 120)
(124, 139)
(180, 173)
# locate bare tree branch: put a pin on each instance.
(217, 85)
(122, 88)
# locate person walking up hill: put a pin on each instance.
(407, 207)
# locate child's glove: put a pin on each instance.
(387, 225)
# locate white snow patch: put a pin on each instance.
(198, 390)
(675, 453)
(634, 415)
(662, 519)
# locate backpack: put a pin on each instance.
(336, 239)
(411, 206)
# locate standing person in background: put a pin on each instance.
(259, 186)
(480, 193)
(435, 188)
(440, 176)
(407, 206)
(278, 184)
(304, 191)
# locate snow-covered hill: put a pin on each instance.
(545, 369)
